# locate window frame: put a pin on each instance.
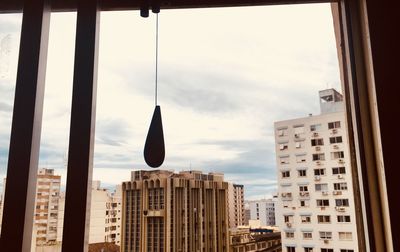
(368, 94)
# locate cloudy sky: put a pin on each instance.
(225, 76)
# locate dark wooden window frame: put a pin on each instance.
(370, 98)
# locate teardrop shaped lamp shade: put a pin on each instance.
(154, 149)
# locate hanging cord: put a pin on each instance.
(156, 80)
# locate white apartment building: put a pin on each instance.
(315, 200)
(264, 211)
(235, 205)
(46, 214)
(105, 215)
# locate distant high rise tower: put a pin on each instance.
(235, 205)
(165, 211)
(316, 203)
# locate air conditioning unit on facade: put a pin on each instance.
(340, 176)
(334, 131)
(322, 208)
(317, 148)
(296, 135)
(326, 241)
(325, 193)
(301, 193)
(288, 224)
(340, 209)
(337, 192)
(283, 194)
(317, 178)
(318, 162)
(341, 161)
(315, 134)
(289, 194)
(335, 146)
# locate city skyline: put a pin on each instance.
(217, 118)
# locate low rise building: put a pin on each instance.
(263, 210)
(242, 240)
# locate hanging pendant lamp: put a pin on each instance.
(154, 148)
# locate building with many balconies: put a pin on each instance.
(315, 201)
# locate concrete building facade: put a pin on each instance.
(236, 205)
(263, 210)
(315, 200)
(105, 215)
(46, 213)
(167, 211)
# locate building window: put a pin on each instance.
(346, 250)
(325, 235)
(304, 203)
(284, 160)
(334, 125)
(302, 173)
(290, 249)
(301, 158)
(289, 235)
(317, 142)
(286, 174)
(319, 172)
(308, 250)
(337, 154)
(345, 236)
(283, 146)
(340, 186)
(324, 218)
(298, 129)
(305, 219)
(321, 187)
(322, 202)
(326, 250)
(299, 144)
(343, 218)
(282, 132)
(307, 235)
(315, 127)
(338, 170)
(318, 156)
(334, 140)
(288, 218)
(303, 188)
(342, 202)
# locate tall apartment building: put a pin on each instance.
(263, 210)
(105, 215)
(176, 212)
(46, 213)
(316, 202)
(236, 205)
